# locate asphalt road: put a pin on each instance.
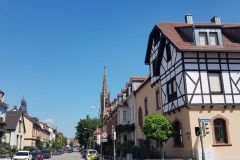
(68, 156)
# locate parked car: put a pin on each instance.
(70, 150)
(36, 155)
(84, 153)
(88, 153)
(93, 156)
(75, 149)
(30, 148)
(46, 154)
(60, 151)
(20, 155)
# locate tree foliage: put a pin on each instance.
(85, 129)
(125, 128)
(39, 144)
(157, 127)
(59, 142)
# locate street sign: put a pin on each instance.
(104, 135)
(104, 140)
(205, 120)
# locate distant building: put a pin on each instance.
(15, 128)
(97, 136)
(33, 130)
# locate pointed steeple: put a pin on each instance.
(105, 86)
(105, 95)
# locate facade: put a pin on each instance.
(147, 102)
(44, 134)
(132, 86)
(52, 132)
(121, 112)
(15, 128)
(97, 137)
(33, 131)
(197, 68)
(28, 137)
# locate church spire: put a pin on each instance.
(23, 106)
(105, 95)
(105, 86)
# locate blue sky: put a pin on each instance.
(53, 51)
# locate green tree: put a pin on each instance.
(39, 144)
(59, 142)
(159, 128)
(85, 129)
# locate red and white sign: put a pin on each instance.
(104, 135)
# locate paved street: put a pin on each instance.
(68, 156)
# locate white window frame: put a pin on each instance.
(215, 79)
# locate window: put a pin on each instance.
(213, 38)
(146, 106)
(220, 130)
(178, 139)
(157, 99)
(140, 117)
(215, 82)
(124, 115)
(17, 142)
(20, 125)
(172, 89)
(203, 38)
(124, 138)
(168, 51)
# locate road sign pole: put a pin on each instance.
(201, 138)
(114, 141)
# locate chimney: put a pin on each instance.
(188, 19)
(216, 20)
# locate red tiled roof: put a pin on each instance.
(138, 78)
(170, 31)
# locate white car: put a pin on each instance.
(22, 155)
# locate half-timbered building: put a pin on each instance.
(198, 68)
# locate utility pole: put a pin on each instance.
(114, 142)
(201, 138)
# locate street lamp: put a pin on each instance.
(89, 138)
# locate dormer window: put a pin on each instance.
(208, 37)
(213, 38)
(203, 40)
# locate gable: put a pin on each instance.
(12, 118)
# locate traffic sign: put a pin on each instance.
(104, 135)
(205, 120)
(104, 140)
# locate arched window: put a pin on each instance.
(178, 137)
(220, 130)
(140, 117)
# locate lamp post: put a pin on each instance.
(89, 138)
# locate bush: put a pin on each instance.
(6, 150)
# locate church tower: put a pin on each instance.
(105, 95)
(23, 106)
